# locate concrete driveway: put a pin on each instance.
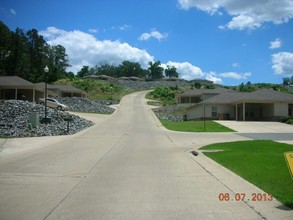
(262, 130)
(125, 167)
(258, 127)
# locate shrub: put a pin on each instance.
(290, 121)
(164, 94)
(284, 119)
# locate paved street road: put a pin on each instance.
(127, 167)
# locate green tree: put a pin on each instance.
(5, 48)
(83, 72)
(171, 71)
(241, 87)
(25, 54)
(128, 68)
(21, 62)
(39, 58)
(288, 81)
(105, 69)
(247, 87)
(155, 71)
(58, 62)
(197, 85)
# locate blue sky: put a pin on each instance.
(227, 41)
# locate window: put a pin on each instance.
(214, 111)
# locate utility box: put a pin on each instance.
(34, 119)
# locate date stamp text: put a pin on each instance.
(255, 197)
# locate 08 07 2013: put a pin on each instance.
(225, 197)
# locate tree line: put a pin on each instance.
(26, 53)
(288, 81)
(127, 68)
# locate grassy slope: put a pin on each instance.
(97, 89)
(260, 162)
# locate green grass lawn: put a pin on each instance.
(260, 162)
(195, 126)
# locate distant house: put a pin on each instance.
(174, 79)
(197, 95)
(90, 77)
(202, 81)
(100, 77)
(261, 105)
(105, 77)
(131, 78)
(14, 87)
(63, 90)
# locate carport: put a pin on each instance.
(263, 105)
(260, 105)
(254, 111)
(14, 87)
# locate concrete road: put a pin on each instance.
(126, 167)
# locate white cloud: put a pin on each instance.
(93, 30)
(276, 44)
(186, 70)
(212, 76)
(123, 27)
(12, 11)
(155, 34)
(245, 14)
(283, 63)
(84, 49)
(236, 65)
(190, 72)
(235, 75)
(242, 22)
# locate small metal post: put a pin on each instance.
(204, 118)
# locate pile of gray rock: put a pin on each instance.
(14, 120)
(78, 104)
(164, 116)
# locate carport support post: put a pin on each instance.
(243, 111)
(34, 97)
(16, 94)
(204, 117)
(236, 112)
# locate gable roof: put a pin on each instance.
(199, 92)
(15, 81)
(259, 96)
(63, 88)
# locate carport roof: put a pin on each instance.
(199, 92)
(259, 96)
(14, 81)
(63, 88)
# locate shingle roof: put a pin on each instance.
(259, 96)
(14, 81)
(198, 92)
(64, 88)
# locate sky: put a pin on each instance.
(226, 41)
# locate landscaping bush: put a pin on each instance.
(164, 94)
(284, 119)
(287, 120)
(290, 121)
